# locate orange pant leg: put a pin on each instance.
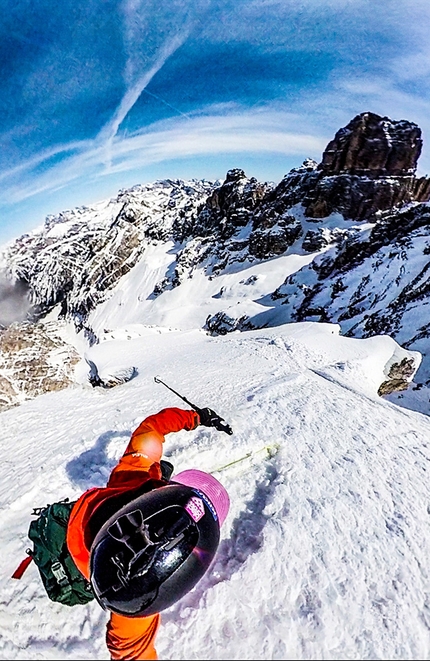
(132, 637)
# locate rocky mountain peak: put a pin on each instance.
(368, 168)
(230, 205)
(234, 175)
(373, 146)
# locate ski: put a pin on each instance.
(270, 450)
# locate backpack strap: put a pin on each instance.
(19, 571)
(22, 565)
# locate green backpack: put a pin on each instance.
(61, 578)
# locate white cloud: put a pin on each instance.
(261, 131)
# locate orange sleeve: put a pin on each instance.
(168, 420)
(139, 463)
(146, 444)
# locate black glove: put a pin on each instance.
(209, 418)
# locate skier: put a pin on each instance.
(123, 537)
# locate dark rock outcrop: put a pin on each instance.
(222, 323)
(368, 167)
(373, 146)
(398, 377)
(230, 206)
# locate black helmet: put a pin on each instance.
(154, 550)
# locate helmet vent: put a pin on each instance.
(143, 538)
(131, 530)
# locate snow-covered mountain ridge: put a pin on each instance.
(79, 255)
(346, 241)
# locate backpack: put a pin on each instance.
(61, 578)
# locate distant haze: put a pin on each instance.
(14, 302)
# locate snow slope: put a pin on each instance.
(324, 553)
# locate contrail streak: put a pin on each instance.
(166, 103)
(109, 131)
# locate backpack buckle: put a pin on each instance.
(59, 573)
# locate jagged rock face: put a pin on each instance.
(373, 146)
(221, 324)
(357, 198)
(230, 206)
(391, 230)
(81, 254)
(367, 168)
(269, 240)
(34, 359)
(376, 282)
(222, 231)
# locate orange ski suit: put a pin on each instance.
(127, 637)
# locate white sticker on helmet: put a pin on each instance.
(195, 508)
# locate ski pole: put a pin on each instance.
(184, 399)
(221, 424)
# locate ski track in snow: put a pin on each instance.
(324, 553)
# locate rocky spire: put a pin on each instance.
(368, 167)
(373, 146)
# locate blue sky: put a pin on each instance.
(97, 95)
